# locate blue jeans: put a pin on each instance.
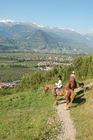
(54, 90)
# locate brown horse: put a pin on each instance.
(64, 91)
(71, 84)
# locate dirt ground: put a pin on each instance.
(67, 131)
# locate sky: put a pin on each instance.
(74, 14)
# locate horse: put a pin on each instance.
(64, 91)
(72, 84)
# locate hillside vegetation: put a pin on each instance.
(27, 113)
(82, 114)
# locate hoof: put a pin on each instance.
(56, 103)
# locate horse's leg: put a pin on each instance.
(72, 95)
(67, 97)
(67, 102)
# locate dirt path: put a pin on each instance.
(67, 131)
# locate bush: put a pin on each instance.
(32, 81)
(82, 65)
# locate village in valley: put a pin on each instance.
(15, 64)
(7, 84)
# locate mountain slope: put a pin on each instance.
(29, 36)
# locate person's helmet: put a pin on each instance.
(73, 72)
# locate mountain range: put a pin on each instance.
(23, 36)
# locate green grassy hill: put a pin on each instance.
(27, 115)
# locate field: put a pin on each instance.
(14, 64)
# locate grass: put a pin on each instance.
(82, 114)
(27, 115)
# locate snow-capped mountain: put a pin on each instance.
(15, 35)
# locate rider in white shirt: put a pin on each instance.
(58, 85)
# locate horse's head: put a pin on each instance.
(80, 84)
(48, 87)
(45, 89)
